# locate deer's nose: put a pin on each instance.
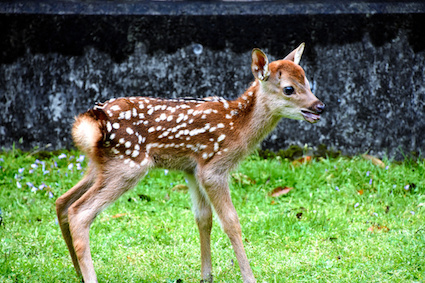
(319, 107)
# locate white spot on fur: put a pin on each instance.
(135, 153)
(195, 132)
(216, 146)
(141, 139)
(116, 126)
(225, 104)
(129, 131)
(108, 126)
(128, 115)
(115, 108)
(128, 144)
(180, 118)
(221, 138)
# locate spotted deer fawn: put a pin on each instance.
(204, 138)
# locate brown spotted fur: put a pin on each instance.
(205, 138)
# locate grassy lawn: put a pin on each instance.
(345, 220)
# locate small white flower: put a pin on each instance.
(21, 170)
(165, 172)
(18, 185)
(356, 205)
(70, 166)
(62, 156)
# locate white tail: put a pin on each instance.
(205, 138)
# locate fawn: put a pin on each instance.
(204, 138)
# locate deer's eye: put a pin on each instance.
(288, 90)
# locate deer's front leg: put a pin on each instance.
(203, 217)
(217, 189)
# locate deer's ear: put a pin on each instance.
(295, 56)
(260, 65)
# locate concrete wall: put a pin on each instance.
(365, 60)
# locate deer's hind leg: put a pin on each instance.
(114, 180)
(64, 202)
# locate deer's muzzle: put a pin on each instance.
(312, 114)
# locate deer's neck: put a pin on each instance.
(254, 119)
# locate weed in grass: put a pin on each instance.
(345, 220)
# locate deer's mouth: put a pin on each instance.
(310, 116)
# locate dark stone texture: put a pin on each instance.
(211, 7)
(369, 69)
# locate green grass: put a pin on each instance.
(346, 220)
